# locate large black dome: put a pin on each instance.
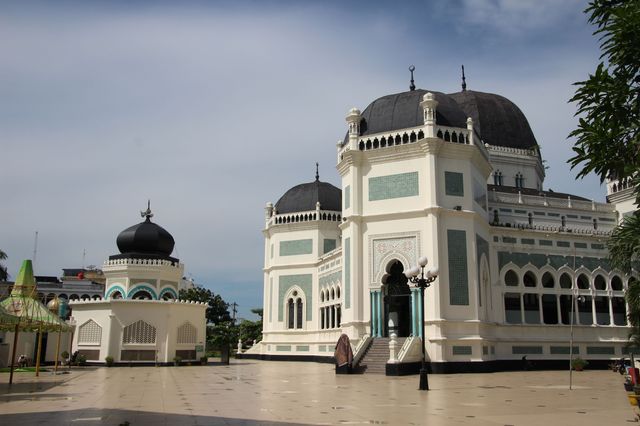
(497, 120)
(402, 110)
(145, 240)
(304, 197)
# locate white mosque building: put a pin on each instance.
(457, 178)
(140, 319)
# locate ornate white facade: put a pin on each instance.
(457, 178)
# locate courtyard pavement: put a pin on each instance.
(253, 393)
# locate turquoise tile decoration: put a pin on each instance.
(347, 273)
(329, 279)
(601, 350)
(458, 272)
(526, 350)
(286, 282)
(296, 247)
(462, 350)
(393, 186)
(555, 261)
(347, 197)
(328, 245)
(482, 248)
(453, 184)
(563, 350)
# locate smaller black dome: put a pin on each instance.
(304, 197)
(145, 240)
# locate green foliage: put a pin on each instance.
(248, 331)
(608, 137)
(108, 360)
(609, 100)
(177, 360)
(65, 355)
(4, 275)
(81, 359)
(578, 363)
(218, 309)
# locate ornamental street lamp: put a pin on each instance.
(416, 276)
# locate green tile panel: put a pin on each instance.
(555, 261)
(563, 243)
(347, 273)
(458, 274)
(393, 186)
(334, 277)
(601, 350)
(526, 350)
(462, 350)
(509, 240)
(302, 348)
(453, 184)
(563, 350)
(283, 348)
(545, 242)
(527, 241)
(597, 246)
(347, 197)
(580, 245)
(296, 247)
(286, 282)
(328, 245)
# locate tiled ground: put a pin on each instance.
(269, 393)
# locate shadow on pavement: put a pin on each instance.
(116, 417)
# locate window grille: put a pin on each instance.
(187, 333)
(90, 333)
(139, 332)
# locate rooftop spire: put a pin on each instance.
(147, 213)
(412, 86)
(317, 174)
(464, 81)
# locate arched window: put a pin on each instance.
(583, 282)
(142, 295)
(529, 279)
(565, 281)
(90, 333)
(290, 311)
(187, 333)
(616, 283)
(599, 283)
(511, 278)
(547, 280)
(116, 295)
(299, 313)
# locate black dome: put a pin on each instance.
(145, 240)
(497, 120)
(402, 110)
(304, 197)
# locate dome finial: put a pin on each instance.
(464, 81)
(412, 86)
(317, 174)
(147, 213)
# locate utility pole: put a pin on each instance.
(234, 311)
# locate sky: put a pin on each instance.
(211, 109)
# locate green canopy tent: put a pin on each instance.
(32, 315)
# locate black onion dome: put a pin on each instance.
(145, 240)
(304, 197)
(497, 120)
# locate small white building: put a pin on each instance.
(140, 318)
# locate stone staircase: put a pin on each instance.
(375, 358)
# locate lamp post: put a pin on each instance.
(579, 299)
(416, 276)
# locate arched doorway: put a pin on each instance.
(397, 301)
